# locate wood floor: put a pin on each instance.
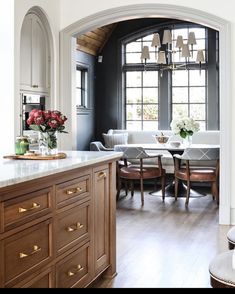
(165, 245)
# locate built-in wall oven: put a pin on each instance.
(30, 102)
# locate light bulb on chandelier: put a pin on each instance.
(165, 51)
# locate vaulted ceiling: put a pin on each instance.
(94, 41)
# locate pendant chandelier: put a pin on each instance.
(167, 49)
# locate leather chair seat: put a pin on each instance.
(198, 174)
(133, 173)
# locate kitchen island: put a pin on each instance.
(57, 224)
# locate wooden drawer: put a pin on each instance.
(71, 191)
(43, 279)
(73, 270)
(27, 207)
(73, 226)
(27, 250)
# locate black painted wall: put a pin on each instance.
(86, 117)
(108, 105)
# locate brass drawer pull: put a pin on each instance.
(35, 86)
(36, 249)
(76, 227)
(74, 191)
(78, 269)
(34, 206)
(102, 175)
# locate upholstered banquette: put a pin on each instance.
(145, 137)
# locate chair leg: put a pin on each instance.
(126, 187)
(215, 191)
(176, 188)
(142, 191)
(163, 179)
(119, 184)
(132, 188)
(188, 193)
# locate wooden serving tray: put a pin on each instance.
(37, 156)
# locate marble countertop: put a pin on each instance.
(17, 171)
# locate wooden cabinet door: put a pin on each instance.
(26, 54)
(101, 218)
(34, 55)
(40, 56)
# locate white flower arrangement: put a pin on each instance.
(184, 127)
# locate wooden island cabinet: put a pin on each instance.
(58, 230)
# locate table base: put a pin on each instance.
(182, 190)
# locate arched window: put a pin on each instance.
(155, 93)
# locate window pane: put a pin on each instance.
(200, 33)
(179, 110)
(150, 79)
(133, 112)
(201, 44)
(148, 38)
(180, 78)
(150, 125)
(150, 112)
(133, 57)
(202, 125)
(197, 111)
(180, 95)
(133, 95)
(133, 79)
(197, 95)
(133, 126)
(133, 47)
(78, 78)
(78, 97)
(150, 95)
(180, 32)
(197, 78)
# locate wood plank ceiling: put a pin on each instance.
(93, 42)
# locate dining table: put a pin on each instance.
(170, 188)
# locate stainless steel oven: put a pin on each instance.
(30, 102)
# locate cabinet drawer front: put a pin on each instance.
(72, 191)
(73, 270)
(73, 226)
(27, 207)
(27, 249)
(43, 279)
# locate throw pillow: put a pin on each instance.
(115, 139)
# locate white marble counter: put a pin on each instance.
(17, 171)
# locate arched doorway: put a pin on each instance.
(156, 10)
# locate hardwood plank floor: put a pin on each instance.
(165, 245)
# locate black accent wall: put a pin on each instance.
(86, 117)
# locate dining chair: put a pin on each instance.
(98, 146)
(186, 169)
(138, 171)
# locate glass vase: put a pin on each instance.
(187, 141)
(48, 143)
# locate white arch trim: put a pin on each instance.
(40, 12)
(156, 10)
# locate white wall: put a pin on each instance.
(51, 9)
(73, 10)
(7, 76)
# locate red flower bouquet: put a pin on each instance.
(47, 123)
